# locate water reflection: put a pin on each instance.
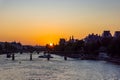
(57, 69)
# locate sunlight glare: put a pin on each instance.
(51, 44)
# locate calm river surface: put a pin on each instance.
(56, 69)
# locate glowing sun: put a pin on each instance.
(51, 44)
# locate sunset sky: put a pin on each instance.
(45, 21)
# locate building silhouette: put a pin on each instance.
(71, 39)
(106, 34)
(62, 41)
(92, 38)
(117, 34)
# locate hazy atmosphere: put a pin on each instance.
(45, 21)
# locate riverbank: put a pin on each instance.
(113, 60)
(87, 57)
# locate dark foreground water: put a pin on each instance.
(56, 69)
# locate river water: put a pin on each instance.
(56, 69)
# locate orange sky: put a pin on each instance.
(38, 22)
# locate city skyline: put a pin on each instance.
(45, 21)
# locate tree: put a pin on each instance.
(9, 47)
(1, 49)
(114, 48)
